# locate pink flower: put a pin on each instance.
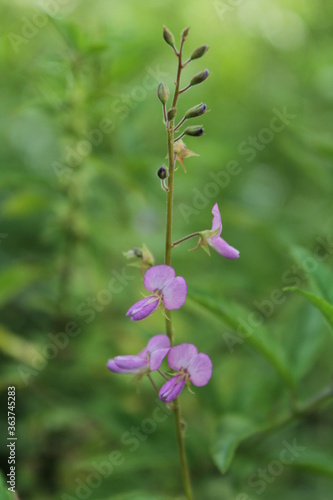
(146, 361)
(167, 289)
(191, 367)
(212, 237)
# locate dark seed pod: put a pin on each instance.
(162, 172)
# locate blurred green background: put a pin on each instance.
(81, 141)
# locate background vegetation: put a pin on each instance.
(81, 141)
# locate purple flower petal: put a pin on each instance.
(223, 248)
(157, 276)
(158, 342)
(157, 357)
(200, 369)
(143, 308)
(172, 388)
(174, 293)
(181, 355)
(217, 222)
(127, 364)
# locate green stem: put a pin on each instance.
(193, 235)
(168, 250)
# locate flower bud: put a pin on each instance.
(194, 131)
(199, 52)
(172, 113)
(200, 77)
(185, 33)
(198, 110)
(162, 172)
(168, 36)
(163, 92)
(142, 256)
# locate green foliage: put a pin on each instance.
(81, 142)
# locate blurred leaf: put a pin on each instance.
(314, 462)
(14, 346)
(324, 307)
(232, 430)
(24, 203)
(15, 279)
(259, 339)
(305, 345)
(321, 278)
(4, 493)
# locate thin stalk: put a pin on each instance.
(168, 250)
(193, 235)
(179, 137)
(180, 123)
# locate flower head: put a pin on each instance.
(146, 361)
(167, 289)
(190, 367)
(213, 239)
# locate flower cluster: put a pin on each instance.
(189, 366)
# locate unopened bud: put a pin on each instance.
(172, 113)
(194, 131)
(162, 172)
(140, 254)
(163, 92)
(200, 77)
(168, 36)
(198, 110)
(185, 33)
(199, 52)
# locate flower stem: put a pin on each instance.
(168, 250)
(193, 235)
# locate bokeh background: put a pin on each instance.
(81, 141)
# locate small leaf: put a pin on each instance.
(324, 307)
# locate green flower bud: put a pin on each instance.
(199, 52)
(185, 33)
(162, 172)
(163, 92)
(200, 77)
(171, 113)
(198, 110)
(194, 131)
(168, 36)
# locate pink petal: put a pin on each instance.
(143, 308)
(158, 342)
(174, 293)
(127, 364)
(157, 276)
(172, 388)
(223, 248)
(157, 357)
(217, 222)
(181, 355)
(200, 369)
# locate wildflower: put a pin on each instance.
(167, 289)
(213, 239)
(190, 367)
(181, 152)
(146, 361)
